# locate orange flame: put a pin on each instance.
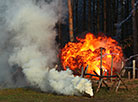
(88, 52)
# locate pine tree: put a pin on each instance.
(105, 16)
(89, 15)
(98, 16)
(70, 21)
(134, 29)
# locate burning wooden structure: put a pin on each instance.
(87, 51)
(95, 57)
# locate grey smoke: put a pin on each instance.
(27, 42)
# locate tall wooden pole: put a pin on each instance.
(101, 71)
(111, 67)
(134, 65)
(70, 21)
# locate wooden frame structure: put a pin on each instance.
(116, 83)
(102, 77)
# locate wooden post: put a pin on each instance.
(70, 21)
(111, 67)
(100, 83)
(86, 69)
(134, 69)
(101, 71)
(107, 73)
(129, 77)
(82, 72)
(67, 67)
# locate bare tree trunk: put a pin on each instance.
(89, 16)
(105, 16)
(94, 17)
(98, 16)
(70, 21)
(134, 29)
(84, 15)
(123, 17)
(118, 29)
(114, 16)
(59, 24)
(126, 14)
(76, 11)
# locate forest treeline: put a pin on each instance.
(115, 18)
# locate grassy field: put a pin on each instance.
(30, 95)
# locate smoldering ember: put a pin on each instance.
(67, 47)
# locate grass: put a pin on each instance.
(30, 95)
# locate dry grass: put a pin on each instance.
(29, 95)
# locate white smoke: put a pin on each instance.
(29, 41)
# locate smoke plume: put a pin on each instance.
(27, 44)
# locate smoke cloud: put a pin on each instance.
(27, 44)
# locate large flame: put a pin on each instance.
(88, 52)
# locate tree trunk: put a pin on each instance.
(134, 29)
(84, 15)
(114, 16)
(98, 16)
(94, 17)
(59, 24)
(126, 15)
(123, 17)
(89, 15)
(70, 21)
(118, 27)
(105, 17)
(76, 11)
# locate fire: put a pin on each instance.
(87, 51)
